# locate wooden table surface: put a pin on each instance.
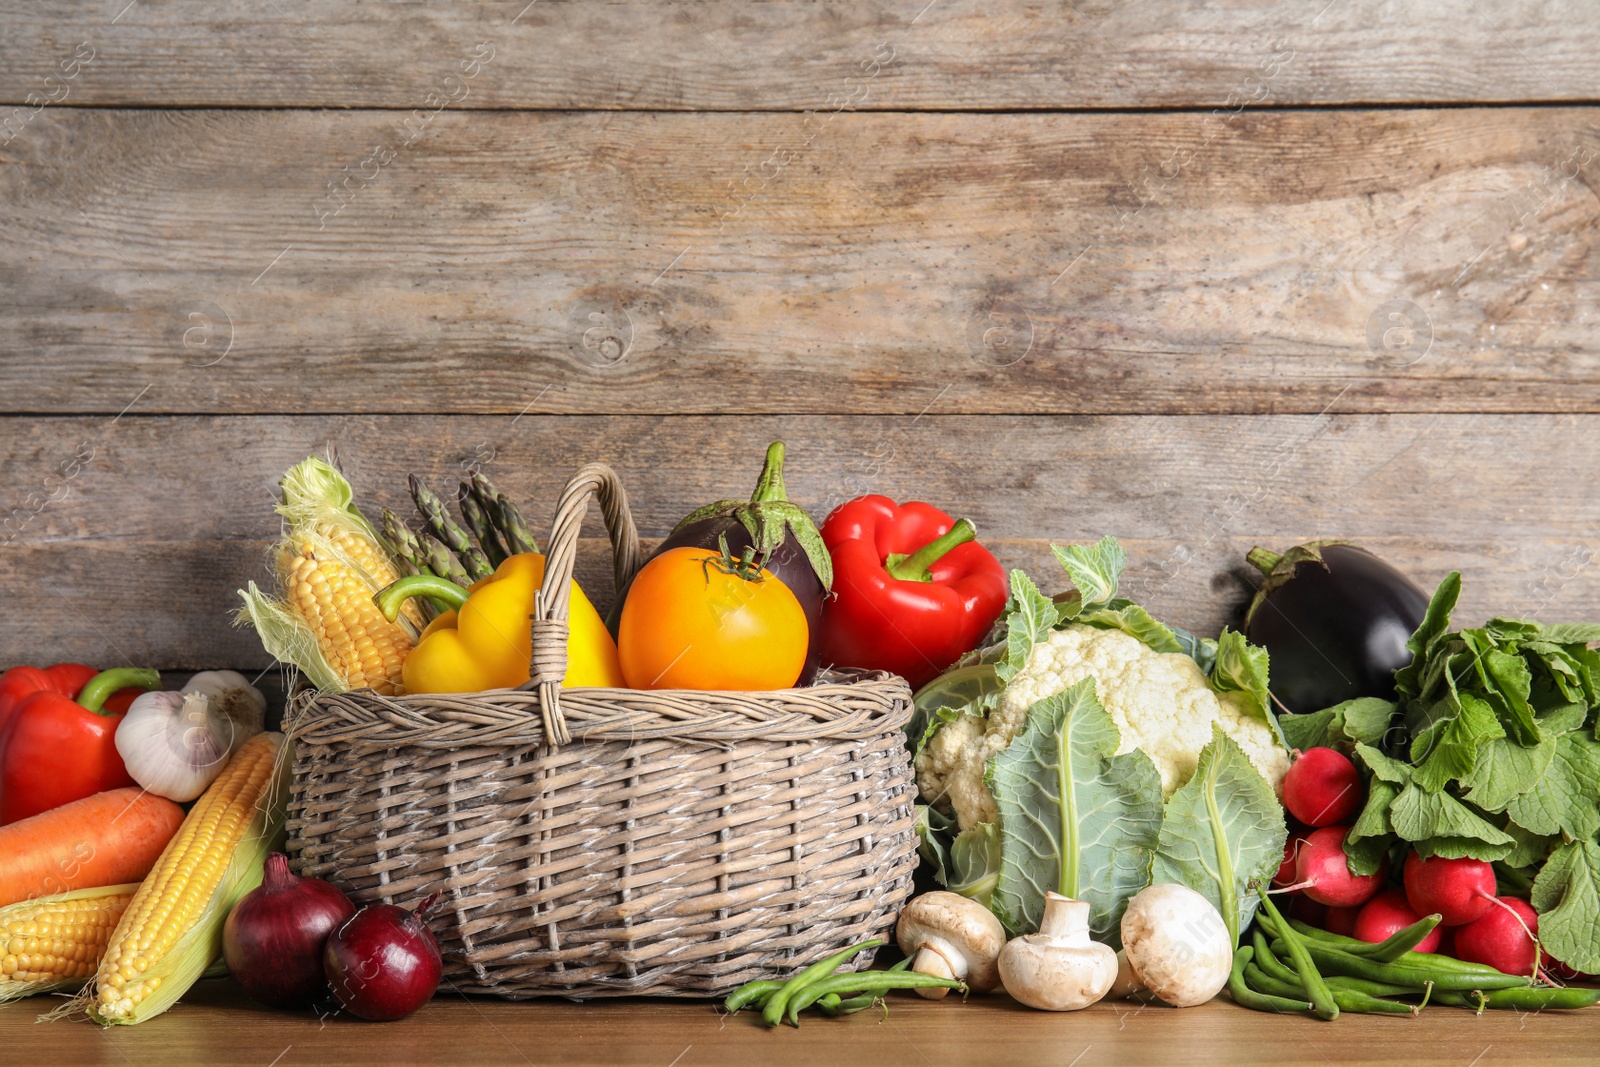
(215, 1025)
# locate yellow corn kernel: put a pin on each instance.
(171, 930)
(328, 565)
(54, 942)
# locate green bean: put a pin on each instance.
(1366, 948)
(750, 992)
(1347, 999)
(881, 982)
(1267, 961)
(1246, 997)
(1337, 982)
(1316, 989)
(773, 1013)
(1445, 980)
(901, 965)
(1388, 950)
(1527, 998)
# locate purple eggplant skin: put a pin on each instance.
(1334, 619)
(788, 562)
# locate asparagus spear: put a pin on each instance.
(442, 561)
(502, 514)
(437, 518)
(475, 516)
(408, 556)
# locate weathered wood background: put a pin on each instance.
(1198, 274)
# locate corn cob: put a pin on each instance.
(328, 565)
(171, 930)
(56, 942)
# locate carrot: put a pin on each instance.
(105, 839)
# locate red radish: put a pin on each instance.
(274, 937)
(383, 962)
(1558, 970)
(1341, 921)
(1291, 848)
(1323, 788)
(1458, 890)
(1326, 877)
(1503, 938)
(1447, 941)
(1388, 913)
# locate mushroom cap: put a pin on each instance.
(961, 930)
(1054, 975)
(1177, 944)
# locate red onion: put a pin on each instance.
(274, 937)
(383, 962)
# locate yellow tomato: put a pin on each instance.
(690, 623)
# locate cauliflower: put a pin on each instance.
(1161, 701)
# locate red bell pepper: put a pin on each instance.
(54, 751)
(68, 679)
(912, 589)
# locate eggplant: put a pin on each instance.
(1334, 618)
(782, 537)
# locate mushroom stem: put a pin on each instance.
(931, 961)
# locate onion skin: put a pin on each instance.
(383, 962)
(274, 938)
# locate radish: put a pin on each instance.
(1323, 788)
(1503, 938)
(1291, 848)
(1321, 870)
(1341, 921)
(1388, 913)
(1458, 890)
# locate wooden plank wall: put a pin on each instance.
(1200, 275)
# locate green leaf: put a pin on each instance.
(1529, 850)
(1435, 624)
(957, 692)
(1570, 633)
(1441, 823)
(1565, 800)
(1074, 817)
(974, 868)
(1242, 668)
(1506, 769)
(1512, 682)
(1449, 748)
(1221, 830)
(1566, 894)
(1094, 569)
(1383, 767)
(1365, 720)
(1030, 616)
(1130, 618)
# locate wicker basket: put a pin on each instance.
(613, 842)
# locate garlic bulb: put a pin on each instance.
(175, 744)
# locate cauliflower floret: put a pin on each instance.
(1161, 702)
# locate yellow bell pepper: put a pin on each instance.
(485, 642)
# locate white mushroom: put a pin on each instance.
(1058, 968)
(1176, 945)
(952, 937)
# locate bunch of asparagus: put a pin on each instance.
(446, 549)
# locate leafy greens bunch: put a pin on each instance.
(1091, 750)
(1490, 753)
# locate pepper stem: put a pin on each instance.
(914, 568)
(392, 596)
(92, 697)
(1264, 559)
(770, 485)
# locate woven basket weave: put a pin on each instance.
(613, 842)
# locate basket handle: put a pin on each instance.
(549, 661)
